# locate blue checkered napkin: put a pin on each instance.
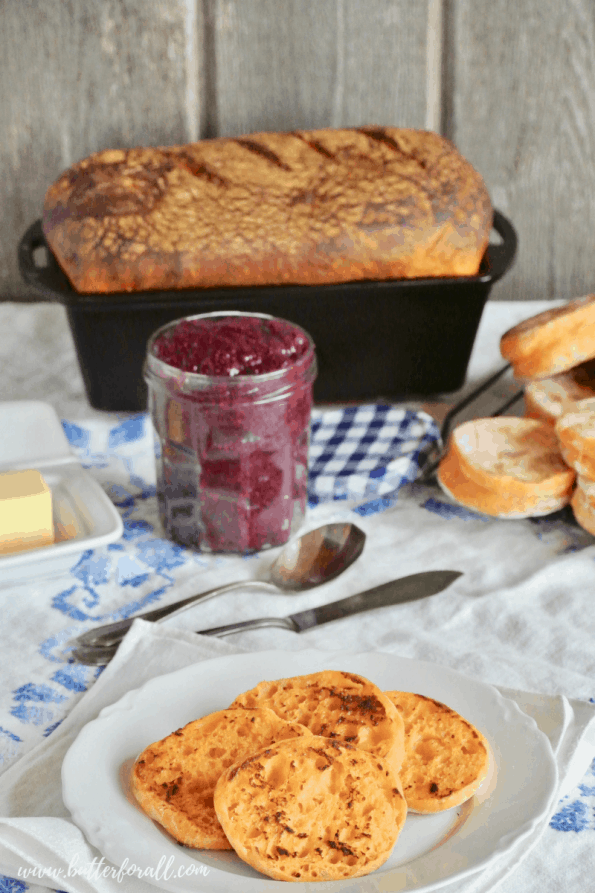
(365, 451)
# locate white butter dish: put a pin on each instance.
(84, 516)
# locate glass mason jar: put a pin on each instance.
(231, 450)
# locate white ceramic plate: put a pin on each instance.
(84, 516)
(431, 850)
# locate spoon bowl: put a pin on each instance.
(316, 557)
(308, 561)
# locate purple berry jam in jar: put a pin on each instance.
(230, 396)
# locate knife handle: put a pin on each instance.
(257, 623)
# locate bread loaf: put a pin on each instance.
(553, 341)
(307, 207)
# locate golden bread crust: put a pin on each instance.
(551, 342)
(174, 779)
(306, 207)
(446, 757)
(337, 705)
(311, 810)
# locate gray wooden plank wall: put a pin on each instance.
(513, 84)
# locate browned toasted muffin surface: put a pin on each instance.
(549, 399)
(583, 504)
(576, 432)
(311, 809)
(174, 779)
(337, 705)
(307, 207)
(524, 453)
(446, 757)
(551, 342)
(506, 467)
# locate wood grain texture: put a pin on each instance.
(516, 93)
(286, 64)
(77, 77)
(522, 109)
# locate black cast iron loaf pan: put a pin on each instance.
(374, 340)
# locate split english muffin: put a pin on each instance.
(311, 809)
(174, 779)
(506, 467)
(576, 433)
(337, 705)
(583, 504)
(446, 757)
(548, 399)
(553, 341)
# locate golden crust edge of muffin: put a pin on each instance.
(431, 806)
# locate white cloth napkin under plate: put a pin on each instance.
(36, 831)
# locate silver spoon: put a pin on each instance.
(396, 592)
(312, 559)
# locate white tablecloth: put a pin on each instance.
(522, 617)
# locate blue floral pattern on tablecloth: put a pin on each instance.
(363, 453)
(356, 453)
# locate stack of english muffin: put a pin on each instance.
(513, 467)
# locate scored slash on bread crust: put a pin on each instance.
(446, 757)
(174, 779)
(337, 705)
(506, 467)
(306, 207)
(311, 809)
(553, 341)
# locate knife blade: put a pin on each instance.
(405, 589)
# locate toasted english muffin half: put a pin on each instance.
(174, 779)
(311, 809)
(576, 433)
(553, 341)
(548, 399)
(506, 467)
(337, 705)
(583, 504)
(446, 757)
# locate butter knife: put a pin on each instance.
(405, 589)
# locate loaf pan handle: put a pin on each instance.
(41, 278)
(31, 241)
(501, 257)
